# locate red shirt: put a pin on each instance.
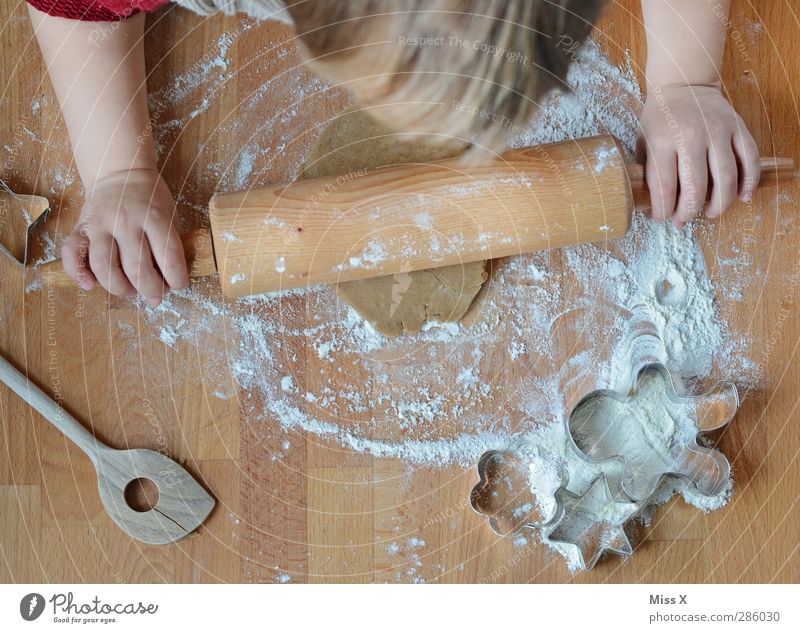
(96, 10)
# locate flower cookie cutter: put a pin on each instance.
(503, 493)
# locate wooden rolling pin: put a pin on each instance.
(411, 217)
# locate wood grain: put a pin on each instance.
(310, 232)
(315, 511)
(178, 504)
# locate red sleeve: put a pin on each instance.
(95, 10)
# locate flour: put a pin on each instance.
(546, 475)
(280, 356)
(605, 157)
(547, 321)
(642, 428)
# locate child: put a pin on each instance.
(488, 56)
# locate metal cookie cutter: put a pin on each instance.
(592, 522)
(504, 495)
(20, 215)
(592, 431)
(591, 426)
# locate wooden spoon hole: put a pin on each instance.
(141, 494)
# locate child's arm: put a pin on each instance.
(125, 238)
(693, 138)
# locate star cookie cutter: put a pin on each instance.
(593, 522)
(590, 432)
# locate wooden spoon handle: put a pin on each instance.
(50, 409)
(198, 247)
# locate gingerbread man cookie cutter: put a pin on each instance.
(591, 434)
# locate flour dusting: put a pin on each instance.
(545, 322)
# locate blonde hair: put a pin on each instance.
(471, 69)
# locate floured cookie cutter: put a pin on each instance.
(593, 522)
(20, 215)
(592, 435)
(503, 493)
(504, 496)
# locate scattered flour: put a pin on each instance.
(396, 399)
(548, 323)
(49, 251)
(643, 429)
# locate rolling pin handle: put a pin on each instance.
(198, 246)
(774, 171)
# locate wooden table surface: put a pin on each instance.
(320, 513)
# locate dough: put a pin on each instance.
(402, 302)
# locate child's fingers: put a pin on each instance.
(104, 260)
(693, 179)
(748, 157)
(137, 262)
(661, 173)
(74, 256)
(725, 178)
(168, 253)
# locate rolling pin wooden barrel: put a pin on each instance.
(417, 216)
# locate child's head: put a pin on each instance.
(466, 69)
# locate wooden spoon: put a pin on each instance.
(182, 504)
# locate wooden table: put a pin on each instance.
(321, 514)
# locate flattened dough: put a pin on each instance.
(403, 302)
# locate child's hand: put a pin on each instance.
(125, 239)
(695, 142)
